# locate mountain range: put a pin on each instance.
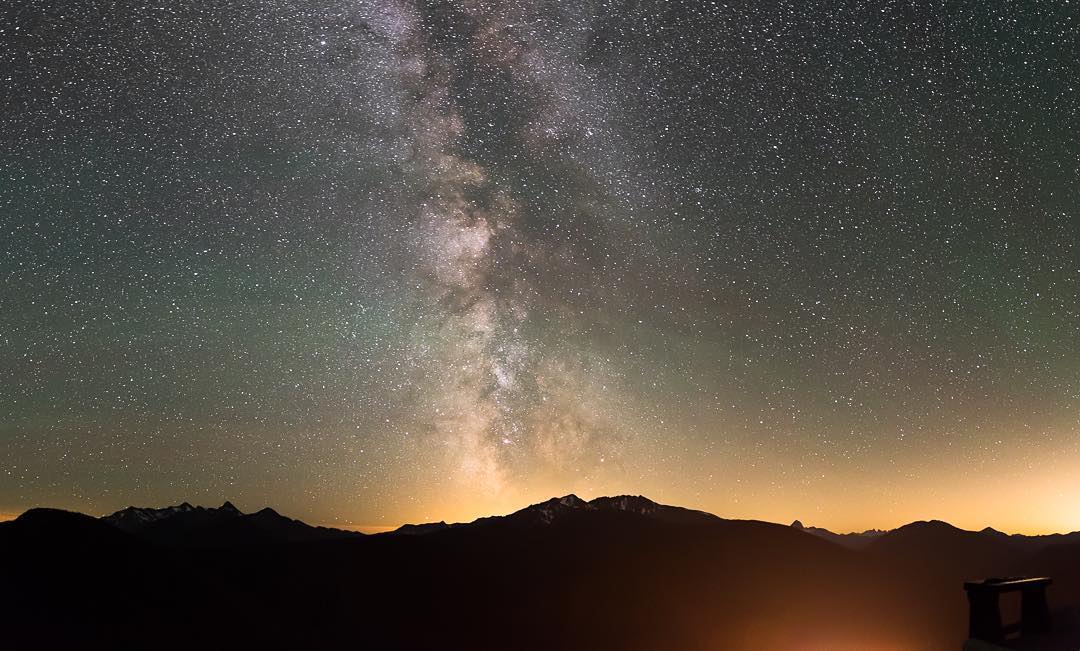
(613, 572)
(226, 525)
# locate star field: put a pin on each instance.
(382, 261)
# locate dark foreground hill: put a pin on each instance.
(611, 573)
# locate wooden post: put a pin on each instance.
(984, 621)
(1034, 612)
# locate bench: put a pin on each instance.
(985, 621)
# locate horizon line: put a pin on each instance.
(370, 528)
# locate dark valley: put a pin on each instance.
(610, 573)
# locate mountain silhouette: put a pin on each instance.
(225, 525)
(560, 509)
(850, 540)
(420, 529)
(619, 572)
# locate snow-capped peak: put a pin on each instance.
(133, 517)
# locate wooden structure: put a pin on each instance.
(985, 622)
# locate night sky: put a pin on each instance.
(378, 261)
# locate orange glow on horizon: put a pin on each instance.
(1014, 489)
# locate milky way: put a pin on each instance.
(499, 401)
(382, 261)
